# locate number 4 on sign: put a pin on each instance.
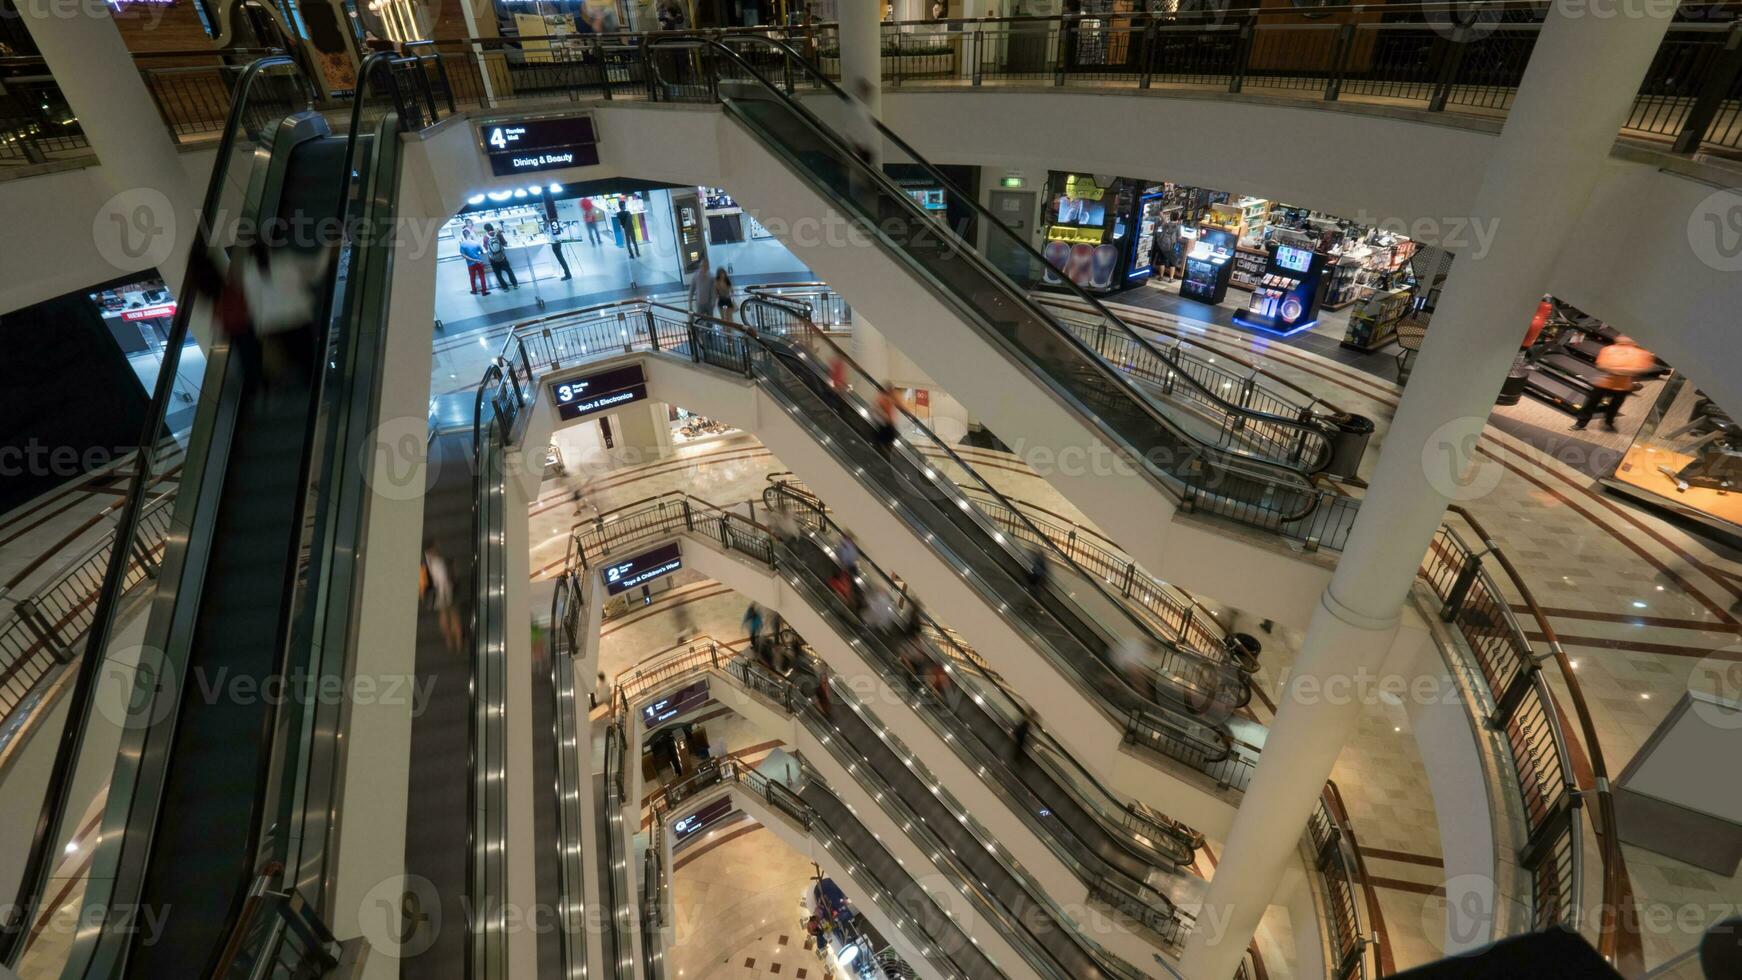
(497, 140)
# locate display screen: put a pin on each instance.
(540, 144)
(1294, 259)
(577, 397)
(641, 569)
(674, 704)
(684, 827)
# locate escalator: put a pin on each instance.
(222, 766)
(1186, 703)
(1044, 779)
(1241, 464)
(1124, 857)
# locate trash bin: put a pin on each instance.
(1513, 388)
(1348, 445)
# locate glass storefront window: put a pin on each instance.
(1687, 458)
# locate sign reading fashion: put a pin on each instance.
(665, 709)
(577, 397)
(532, 145)
(641, 569)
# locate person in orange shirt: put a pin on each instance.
(1617, 365)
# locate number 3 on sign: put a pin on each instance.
(497, 140)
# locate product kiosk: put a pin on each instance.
(1285, 299)
(1209, 263)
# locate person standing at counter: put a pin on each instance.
(625, 223)
(496, 248)
(556, 248)
(1169, 250)
(473, 253)
(590, 215)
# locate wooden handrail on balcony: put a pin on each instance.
(1333, 798)
(1619, 940)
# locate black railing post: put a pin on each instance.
(979, 50)
(1067, 37)
(1720, 78)
(1506, 705)
(1451, 56)
(447, 83)
(604, 69)
(689, 521)
(1559, 821)
(1460, 590)
(37, 623)
(1242, 52)
(1340, 57)
(1149, 40)
(142, 554)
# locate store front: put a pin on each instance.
(1264, 265)
(689, 428)
(561, 245)
(1089, 229)
(1686, 458)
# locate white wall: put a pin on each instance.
(50, 217)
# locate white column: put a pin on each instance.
(862, 49)
(150, 219)
(1580, 82)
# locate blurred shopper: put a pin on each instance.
(703, 300)
(438, 574)
(782, 523)
(888, 417)
(1022, 733)
(879, 610)
(1130, 657)
(838, 374)
(1617, 366)
(753, 623)
(473, 253)
(723, 295)
(591, 216)
(1039, 570)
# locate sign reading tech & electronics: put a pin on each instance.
(577, 397)
(641, 569)
(532, 145)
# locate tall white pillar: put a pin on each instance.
(861, 30)
(150, 219)
(1575, 93)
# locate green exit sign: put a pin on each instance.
(1015, 181)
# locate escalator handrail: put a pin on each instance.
(39, 861)
(1019, 295)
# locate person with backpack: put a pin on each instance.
(496, 249)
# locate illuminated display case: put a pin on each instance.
(1686, 458)
(1089, 224)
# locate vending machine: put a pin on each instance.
(1285, 299)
